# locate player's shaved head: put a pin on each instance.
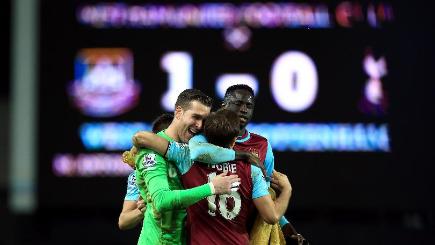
(230, 90)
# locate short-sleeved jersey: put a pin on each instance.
(250, 142)
(132, 193)
(259, 146)
(159, 227)
(220, 219)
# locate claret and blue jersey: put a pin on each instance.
(202, 151)
(219, 219)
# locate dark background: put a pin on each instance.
(338, 198)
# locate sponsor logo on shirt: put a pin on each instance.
(132, 179)
(149, 161)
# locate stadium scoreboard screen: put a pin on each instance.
(320, 73)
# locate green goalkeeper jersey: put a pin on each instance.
(160, 186)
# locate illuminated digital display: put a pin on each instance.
(320, 73)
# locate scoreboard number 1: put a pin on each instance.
(179, 67)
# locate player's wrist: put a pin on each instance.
(212, 189)
(286, 190)
(286, 230)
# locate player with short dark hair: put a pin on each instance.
(221, 127)
(240, 98)
(223, 219)
(187, 96)
(162, 122)
(158, 180)
(134, 206)
(212, 221)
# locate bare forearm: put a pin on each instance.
(140, 139)
(130, 219)
(281, 202)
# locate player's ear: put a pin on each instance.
(178, 112)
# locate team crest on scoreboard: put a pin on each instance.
(149, 161)
(104, 85)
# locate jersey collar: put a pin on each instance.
(246, 136)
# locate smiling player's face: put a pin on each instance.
(191, 120)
